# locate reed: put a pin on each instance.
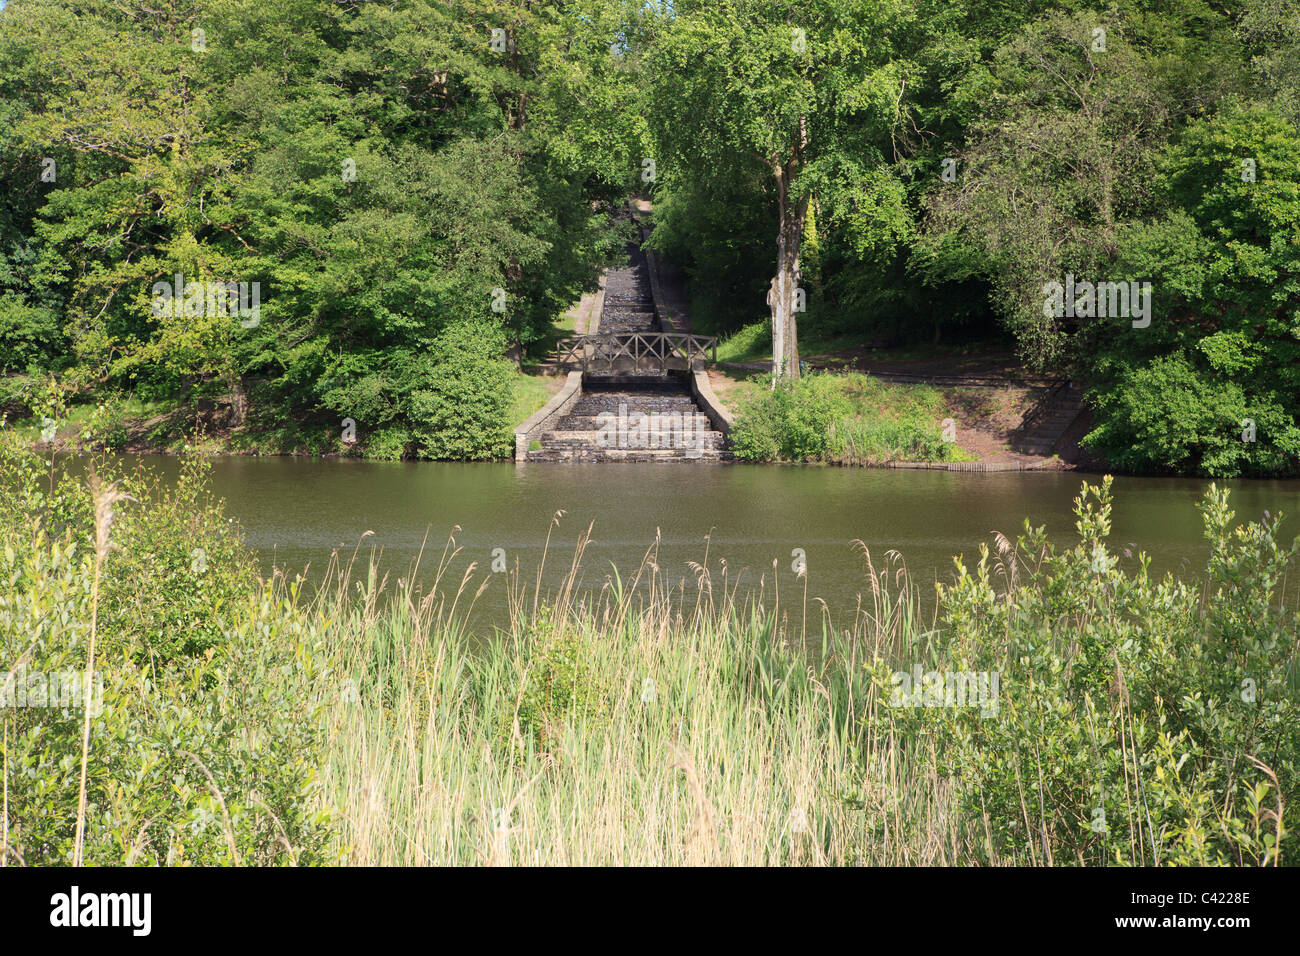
(649, 721)
(639, 723)
(106, 498)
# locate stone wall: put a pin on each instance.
(542, 419)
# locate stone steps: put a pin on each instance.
(639, 410)
(1044, 433)
(663, 439)
(686, 406)
(633, 425)
(689, 418)
(629, 303)
(628, 454)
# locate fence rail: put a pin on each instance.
(615, 351)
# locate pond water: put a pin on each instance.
(295, 512)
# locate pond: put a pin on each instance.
(296, 511)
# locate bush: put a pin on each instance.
(1138, 721)
(851, 419)
(15, 397)
(204, 735)
(1167, 415)
(183, 569)
(107, 425)
(558, 684)
(391, 443)
(793, 422)
(29, 335)
(1222, 347)
(462, 411)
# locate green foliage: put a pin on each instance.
(478, 170)
(850, 418)
(379, 182)
(15, 395)
(1223, 349)
(107, 424)
(758, 112)
(391, 443)
(747, 343)
(203, 761)
(29, 335)
(204, 739)
(1048, 174)
(720, 231)
(792, 422)
(1137, 721)
(183, 568)
(1168, 415)
(1270, 32)
(559, 686)
(462, 412)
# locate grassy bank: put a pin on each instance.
(753, 342)
(846, 418)
(650, 721)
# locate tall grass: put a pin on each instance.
(651, 724)
(106, 498)
(640, 724)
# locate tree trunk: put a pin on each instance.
(781, 297)
(238, 403)
(778, 327)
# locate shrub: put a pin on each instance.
(1166, 415)
(462, 411)
(204, 743)
(391, 443)
(851, 418)
(1138, 721)
(1222, 347)
(107, 425)
(15, 397)
(796, 421)
(560, 686)
(184, 570)
(30, 336)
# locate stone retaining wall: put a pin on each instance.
(969, 465)
(542, 419)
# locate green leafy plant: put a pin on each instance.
(847, 418)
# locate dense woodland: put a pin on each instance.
(421, 188)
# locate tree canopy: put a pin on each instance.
(419, 189)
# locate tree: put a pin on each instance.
(798, 88)
(1271, 31)
(382, 171)
(1213, 385)
(1076, 111)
